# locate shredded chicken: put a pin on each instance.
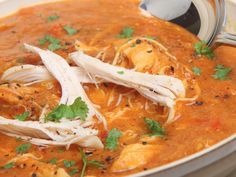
(31, 74)
(158, 88)
(129, 159)
(65, 132)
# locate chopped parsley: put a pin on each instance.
(73, 172)
(22, 117)
(86, 162)
(95, 163)
(202, 49)
(150, 37)
(120, 72)
(126, 32)
(77, 109)
(9, 165)
(197, 71)
(154, 127)
(112, 139)
(53, 161)
(52, 18)
(71, 31)
(221, 72)
(54, 43)
(68, 163)
(24, 148)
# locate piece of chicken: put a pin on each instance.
(33, 165)
(133, 156)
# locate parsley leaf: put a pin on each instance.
(53, 161)
(221, 72)
(71, 31)
(126, 32)
(202, 49)
(54, 47)
(154, 127)
(120, 72)
(150, 37)
(23, 148)
(86, 162)
(77, 109)
(84, 158)
(96, 163)
(22, 117)
(197, 71)
(112, 139)
(73, 172)
(54, 43)
(68, 163)
(52, 18)
(9, 165)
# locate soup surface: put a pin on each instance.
(98, 24)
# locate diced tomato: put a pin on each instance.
(103, 134)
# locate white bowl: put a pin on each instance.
(216, 161)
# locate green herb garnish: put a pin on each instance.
(197, 71)
(77, 109)
(86, 162)
(9, 165)
(53, 161)
(95, 163)
(23, 148)
(52, 18)
(126, 32)
(69, 163)
(22, 117)
(120, 72)
(150, 37)
(54, 43)
(154, 127)
(221, 72)
(73, 172)
(202, 49)
(71, 31)
(112, 139)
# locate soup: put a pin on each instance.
(138, 135)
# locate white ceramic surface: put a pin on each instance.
(217, 161)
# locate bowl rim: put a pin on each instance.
(221, 144)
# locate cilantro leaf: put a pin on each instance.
(96, 163)
(150, 37)
(86, 162)
(71, 31)
(23, 148)
(54, 43)
(120, 72)
(112, 139)
(84, 158)
(197, 71)
(202, 49)
(73, 172)
(54, 47)
(52, 18)
(221, 72)
(9, 165)
(53, 161)
(154, 127)
(68, 163)
(22, 117)
(126, 32)
(77, 109)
